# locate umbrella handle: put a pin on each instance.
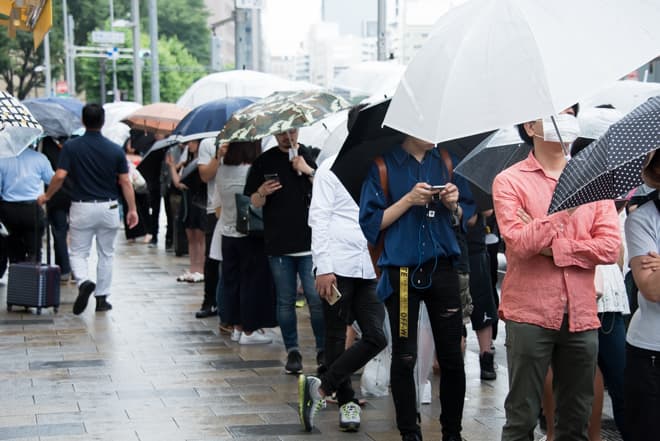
(567, 153)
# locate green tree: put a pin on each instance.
(178, 70)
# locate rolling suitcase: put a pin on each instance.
(34, 284)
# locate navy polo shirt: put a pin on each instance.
(93, 163)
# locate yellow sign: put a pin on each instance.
(34, 16)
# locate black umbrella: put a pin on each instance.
(611, 166)
(366, 140)
(152, 160)
(190, 174)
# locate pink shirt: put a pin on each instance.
(538, 289)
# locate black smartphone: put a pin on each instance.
(272, 177)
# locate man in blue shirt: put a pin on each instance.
(98, 168)
(21, 182)
(418, 218)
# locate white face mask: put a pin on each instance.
(568, 126)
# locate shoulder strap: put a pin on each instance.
(448, 163)
(382, 173)
(657, 204)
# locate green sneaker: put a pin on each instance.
(309, 400)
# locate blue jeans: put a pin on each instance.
(59, 226)
(612, 362)
(284, 269)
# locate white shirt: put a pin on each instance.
(205, 154)
(338, 244)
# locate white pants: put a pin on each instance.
(87, 220)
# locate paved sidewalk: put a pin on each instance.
(149, 371)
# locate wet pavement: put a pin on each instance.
(149, 371)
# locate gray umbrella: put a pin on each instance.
(611, 166)
(499, 151)
(56, 120)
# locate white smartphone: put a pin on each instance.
(335, 296)
(438, 187)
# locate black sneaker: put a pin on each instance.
(487, 364)
(309, 400)
(320, 362)
(206, 311)
(102, 304)
(293, 363)
(411, 436)
(84, 291)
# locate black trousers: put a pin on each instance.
(358, 301)
(642, 393)
(26, 223)
(443, 303)
(211, 266)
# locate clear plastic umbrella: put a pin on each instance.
(18, 128)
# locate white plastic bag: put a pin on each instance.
(375, 379)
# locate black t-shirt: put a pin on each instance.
(476, 236)
(286, 210)
(93, 164)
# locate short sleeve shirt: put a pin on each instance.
(204, 156)
(642, 236)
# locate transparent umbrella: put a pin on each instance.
(18, 128)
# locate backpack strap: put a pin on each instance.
(657, 204)
(376, 250)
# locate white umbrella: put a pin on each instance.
(316, 134)
(623, 95)
(493, 63)
(113, 129)
(370, 78)
(237, 83)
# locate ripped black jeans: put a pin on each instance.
(444, 307)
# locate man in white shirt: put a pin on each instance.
(342, 263)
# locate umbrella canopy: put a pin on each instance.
(370, 78)
(623, 95)
(495, 63)
(237, 83)
(59, 117)
(366, 140)
(280, 112)
(156, 118)
(114, 129)
(18, 128)
(499, 151)
(611, 166)
(316, 134)
(207, 120)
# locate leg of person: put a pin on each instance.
(403, 312)
(528, 352)
(284, 275)
(612, 363)
(3, 256)
(219, 300)
(231, 285)
(83, 219)
(549, 406)
(304, 268)
(574, 365)
(642, 393)
(596, 408)
(106, 233)
(255, 294)
(154, 210)
(443, 304)
(14, 216)
(59, 226)
(484, 312)
(209, 305)
(170, 215)
(34, 232)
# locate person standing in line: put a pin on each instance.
(98, 168)
(548, 294)
(280, 181)
(342, 264)
(418, 219)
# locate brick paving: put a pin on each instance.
(149, 371)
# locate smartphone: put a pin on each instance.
(438, 187)
(335, 296)
(272, 177)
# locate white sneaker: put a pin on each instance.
(349, 417)
(235, 334)
(258, 337)
(196, 277)
(427, 393)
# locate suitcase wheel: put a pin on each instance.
(9, 306)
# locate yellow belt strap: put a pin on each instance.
(403, 302)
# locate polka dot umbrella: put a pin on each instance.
(611, 166)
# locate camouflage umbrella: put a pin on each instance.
(280, 112)
(18, 128)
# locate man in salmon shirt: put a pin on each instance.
(548, 295)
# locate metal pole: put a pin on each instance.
(155, 67)
(115, 91)
(72, 57)
(382, 30)
(102, 80)
(137, 68)
(239, 39)
(67, 44)
(48, 89)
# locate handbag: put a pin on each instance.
(137, 180)
(249, 219)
